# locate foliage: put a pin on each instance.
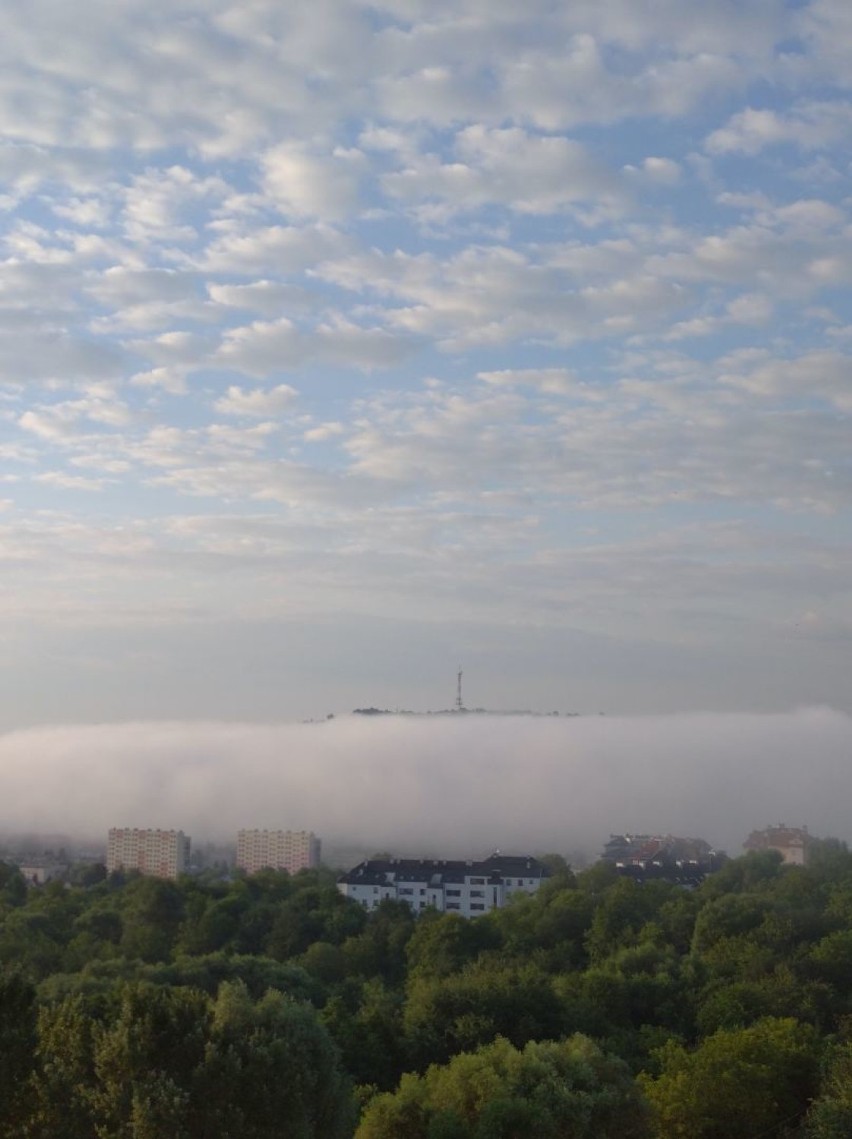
(17, 1050)
(565, 1090)
(170, 1063)
(142, 1009)
(737, 1083)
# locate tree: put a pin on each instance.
(147, 1056)
(550, 1090)
(151, 1062)
(61, 1106)
(472, 1008)
(365, 1021)
(17, 1050)
(737, 1083)
(445, 943)
(152, 917)
(272, 1070)
(830, 1116)
(624, 909)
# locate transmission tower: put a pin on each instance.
(459, 705)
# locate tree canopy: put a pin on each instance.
(267, 1006)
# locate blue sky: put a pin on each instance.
(341, 343)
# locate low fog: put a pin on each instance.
(458, 785)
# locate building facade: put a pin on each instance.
(163, 854)
(37, 872)
(466, 888)
(277, 850)
(790, 842)
(686, 861)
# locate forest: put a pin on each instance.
(271, 1007)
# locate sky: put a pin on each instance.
(343, 344)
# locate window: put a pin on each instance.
(477, 893)
(477, 906)
(453, 893)
(405, 891)
(453, 906)
(508, 881)
(422, 891)
(477, 881)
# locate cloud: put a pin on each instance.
(552, 381)
(258, 250)
(656, 171)
(65, 481)
(259, 402)
(429, 786)
(311, 185)
(562, 288)
(809, 125)
(527, 173)
(266, 347)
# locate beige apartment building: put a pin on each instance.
(790, 842)
(277, 850)
(163, 854)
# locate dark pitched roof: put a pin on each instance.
(434, 871)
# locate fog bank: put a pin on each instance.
(459, 785)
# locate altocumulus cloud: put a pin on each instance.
(442, 784)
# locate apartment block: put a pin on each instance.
(469, 889)
(790, 842)
(163, 854)
(684, 861)
(277, 850)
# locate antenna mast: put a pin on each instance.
(459, 705)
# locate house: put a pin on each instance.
(38, 871)
(790, 842)
(449, 886)
(685, 861)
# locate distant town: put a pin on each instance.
(467, 887)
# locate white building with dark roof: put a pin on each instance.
(449, 886)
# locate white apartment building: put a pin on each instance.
(163, 854)
(277, 850)
(467, 888)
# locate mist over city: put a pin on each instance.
(449, 786)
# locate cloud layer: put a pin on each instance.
(461, 786)
(524, 317)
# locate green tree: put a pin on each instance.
(550, 1090)
(445, 943)
(146, 1057)
(152, 1062)
(153, 912)
(61, 1107)
(624, 909)
(17, 1051)
(737, 1083)
(365, 1020)
(830, 1115)
(272, 1070)
(468, 1009)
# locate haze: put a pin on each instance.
(459, 786)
